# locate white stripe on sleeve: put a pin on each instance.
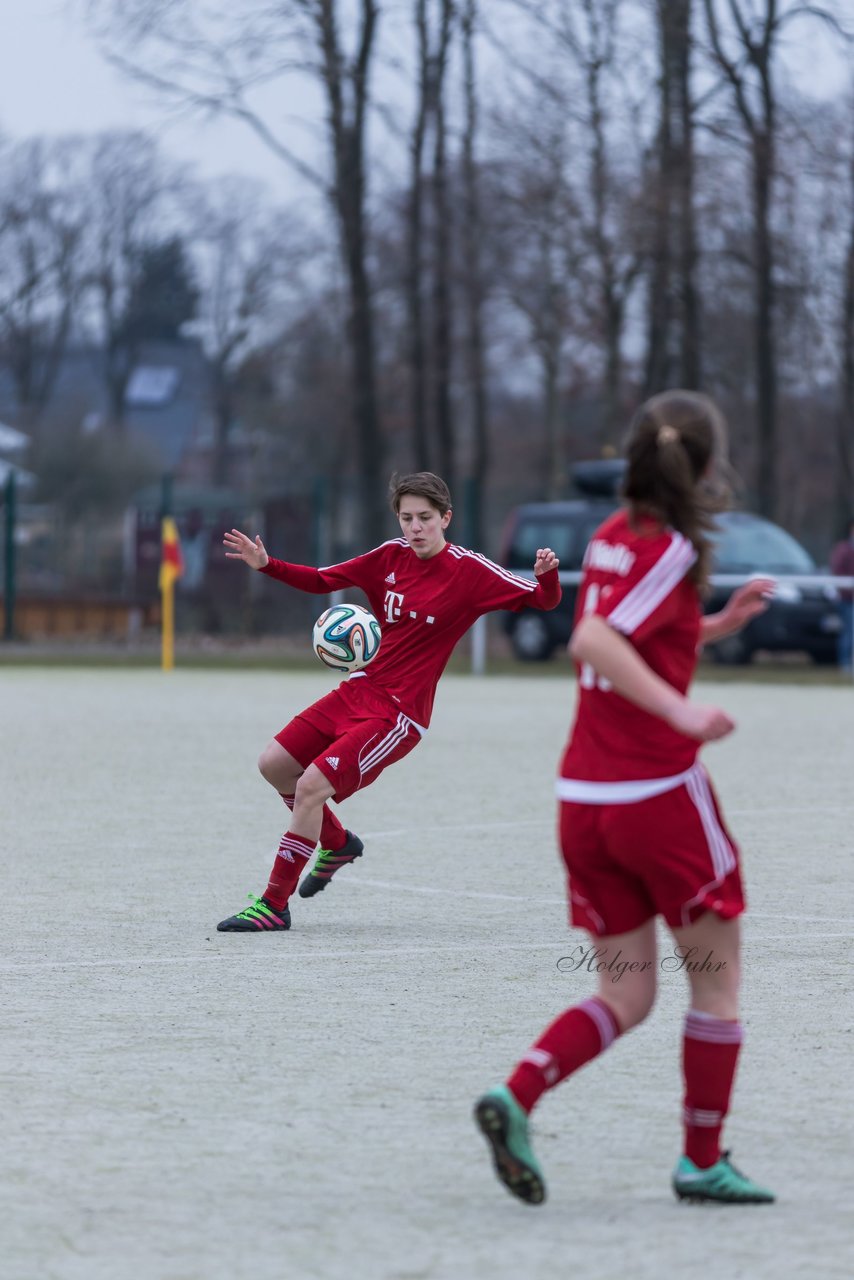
(655, 586)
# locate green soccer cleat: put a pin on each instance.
(260, 916)
(505, 1126)
(722, 1183)
(328, 862)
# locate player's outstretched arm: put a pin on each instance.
(611, 656)
(747, 602)
(240, 547)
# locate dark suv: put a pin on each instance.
(802, 616)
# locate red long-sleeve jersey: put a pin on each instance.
(637, 580)
(423, 607)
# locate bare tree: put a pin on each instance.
(538, 226)
(126, 184)
(473, 281)
(212, 62)
(588, 31)
(844, 498)
(428, 273)
(240, 270)
(442, 322)
(745, 41)
(415, 243)
(41, 227)
(673, 341)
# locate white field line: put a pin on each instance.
(551, 902)
(551, 823)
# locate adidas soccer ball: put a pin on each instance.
(346, 637)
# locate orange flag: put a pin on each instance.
(171, 560)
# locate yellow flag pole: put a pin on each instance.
(167, 623)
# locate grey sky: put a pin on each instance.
(53, 80)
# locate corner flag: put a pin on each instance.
(171, 560)
(171, 568)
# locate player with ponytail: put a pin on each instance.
(641, 832)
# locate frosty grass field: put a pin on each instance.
(187, 1105)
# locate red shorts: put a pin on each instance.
(351, 735)
(670, 855)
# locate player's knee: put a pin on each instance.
(270, 764)
(717, 992)
(312, 788)
(631, 1005)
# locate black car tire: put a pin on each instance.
(532, 639)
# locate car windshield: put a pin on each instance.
(567, 537)
(748, 544)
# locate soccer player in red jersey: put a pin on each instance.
(640, 828)
(426, 593)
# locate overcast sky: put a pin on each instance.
(53, 80)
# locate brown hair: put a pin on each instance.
(673, 438)
(421, 484)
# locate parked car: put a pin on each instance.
(801, 617)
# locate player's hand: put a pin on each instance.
(748, 601)
(706, 724)
(239, 547)
(546, 559)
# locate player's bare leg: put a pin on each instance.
(709, 953)
(338, 846)
(280, 768)
(627, 987)
(628, 983)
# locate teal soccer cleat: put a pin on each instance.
(505, 1126)
(722, 1183)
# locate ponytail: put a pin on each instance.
(673, 440)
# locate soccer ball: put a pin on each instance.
(346, 637)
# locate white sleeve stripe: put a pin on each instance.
(648, 594)
(630, 617)
(654, 587)
(461, 552)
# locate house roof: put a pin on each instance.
(167, 404)
(12, 440)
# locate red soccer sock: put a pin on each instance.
(294, 852)
(579, 1034)
(332, 833)
(709, 1059)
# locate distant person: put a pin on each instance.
(426, 593)
(640, 828)
(842, 565)
(195, 549)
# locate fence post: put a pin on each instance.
(9, 558)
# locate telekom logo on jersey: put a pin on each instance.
(393, 605)
(394, 608)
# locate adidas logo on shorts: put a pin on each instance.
(334, 761)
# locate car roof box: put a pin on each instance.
(599, 477)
